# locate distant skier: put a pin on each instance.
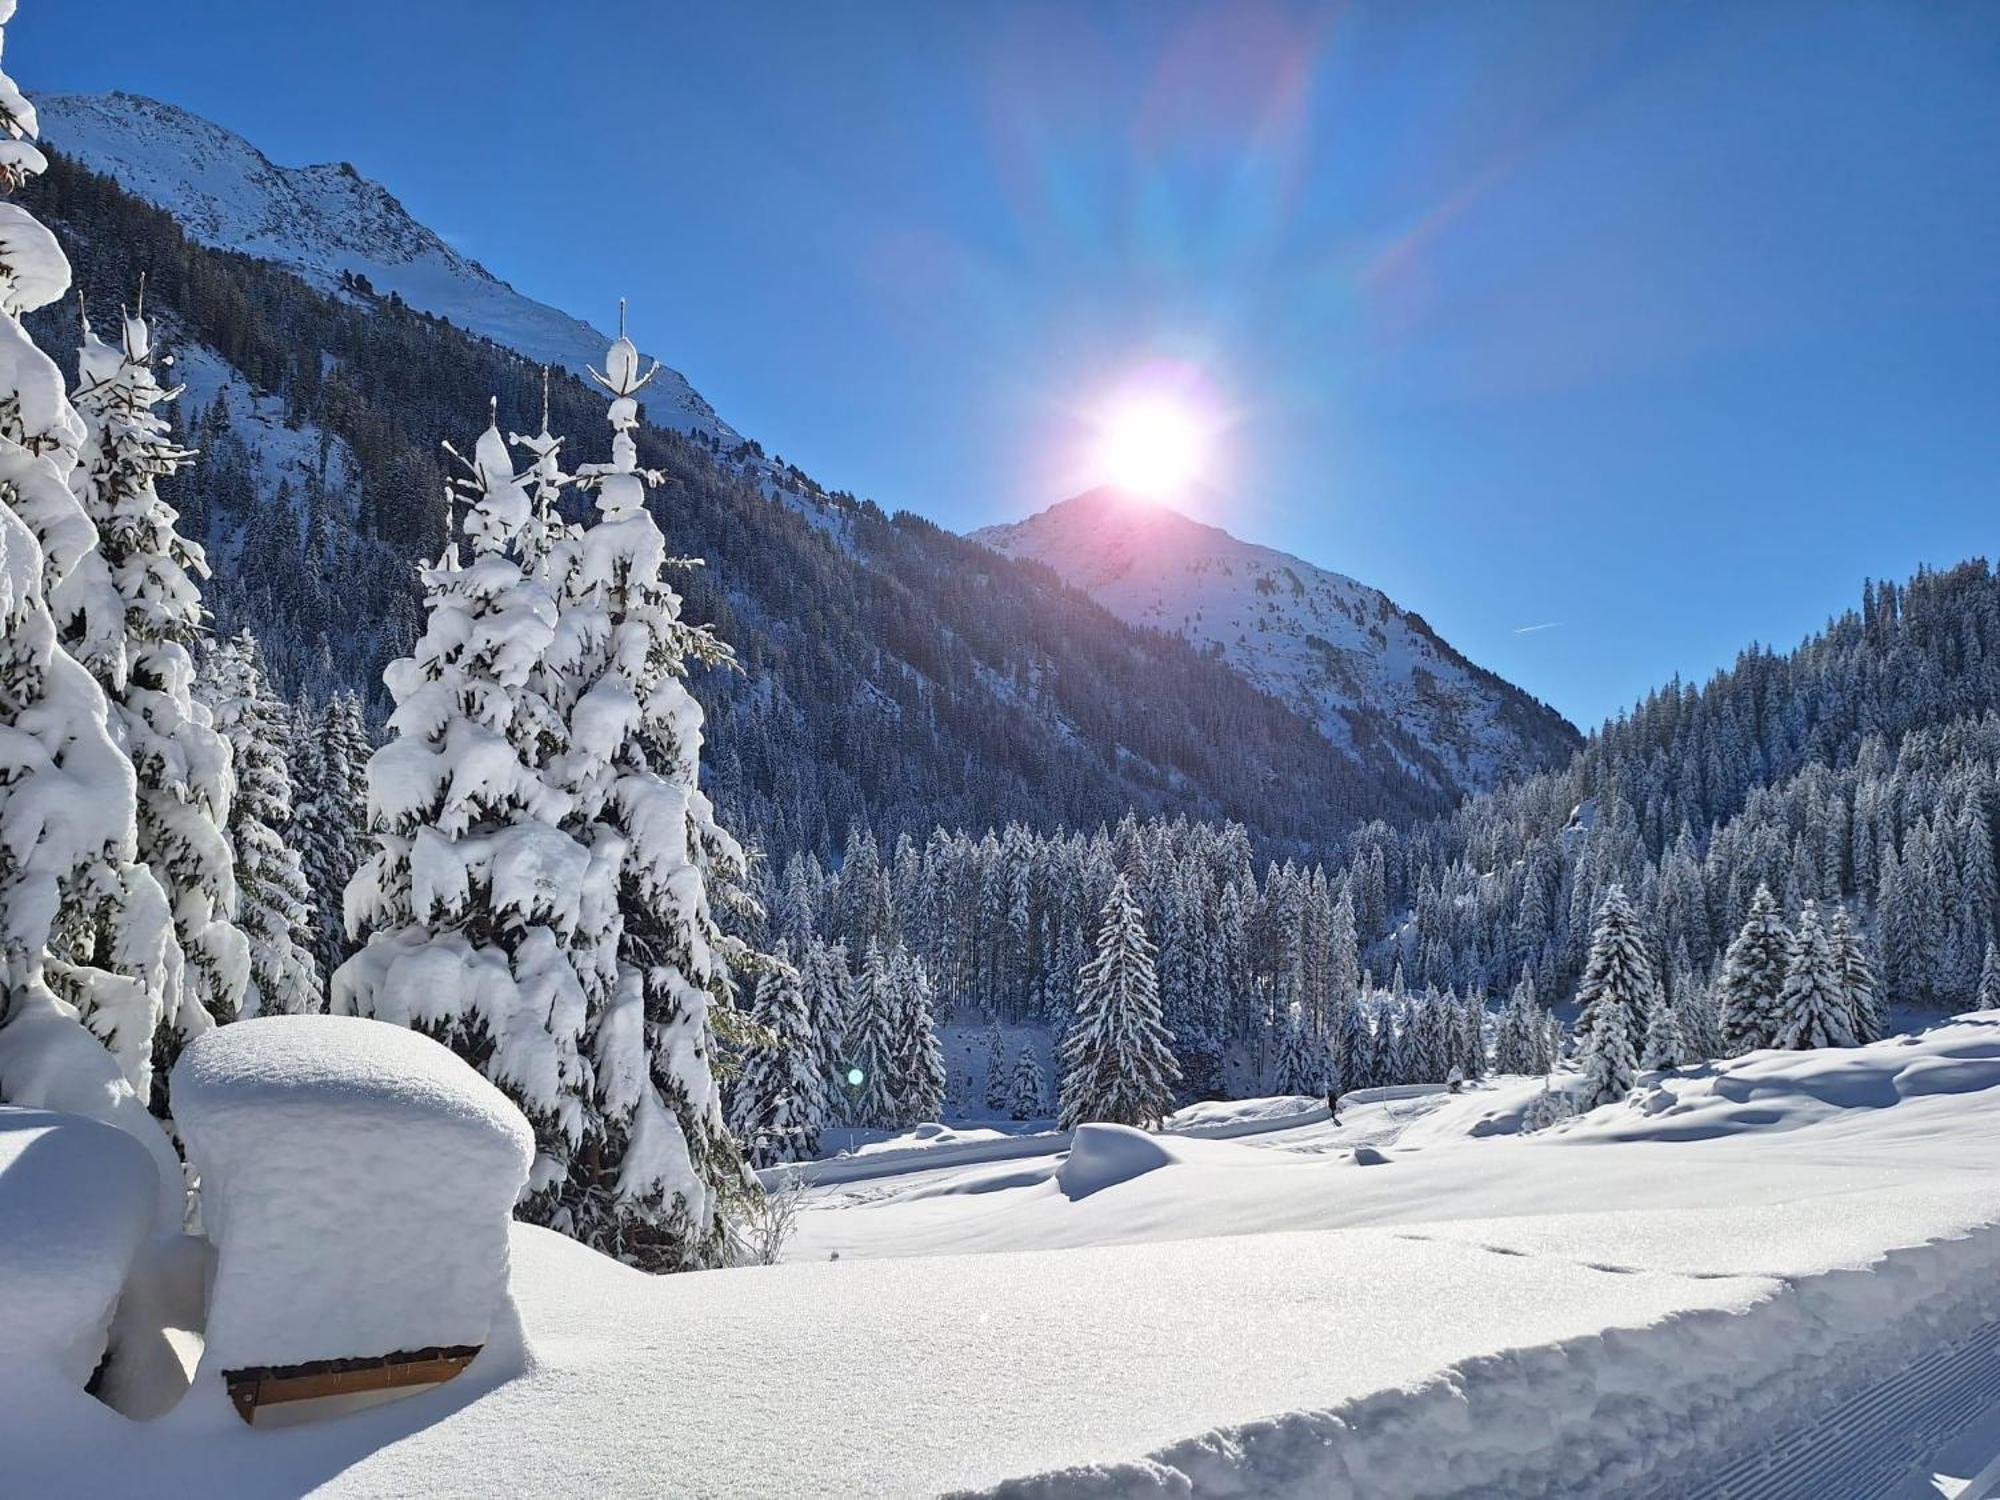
(1333, 1105)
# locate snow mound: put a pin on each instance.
(77, 1200)
(1102, 1156)
(1772, 1090)
(1368, 1156)
(1211, 1114)
(357, 1180)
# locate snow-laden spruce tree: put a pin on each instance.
(996, 1070)
(127, 616)
(1988, 995)
(874, 1045)
(67, 792)
(1753, 971)
(920, 1070)
(780, 1096)
(829, 995)
(1027, 1098)
(1812, 1006)
(1615, 1001)
(1666, 1044)
(623, 747)
(274, 908)
(186, 779)
(1301, 1061)
(476, 900)
(330, 814)
(1117, 1056)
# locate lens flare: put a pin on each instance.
(1153, 443)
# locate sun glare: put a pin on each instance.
(1153, 444)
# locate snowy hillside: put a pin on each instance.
(323, 221)
(1346, 655)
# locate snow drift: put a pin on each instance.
(356, 1179)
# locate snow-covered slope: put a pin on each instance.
(323, 221)
(1347, 655)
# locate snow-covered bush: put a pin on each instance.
(357, 1181)
(1547, 1108)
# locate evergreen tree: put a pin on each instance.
(1753, 972)
(330, 815)
(829, 996)
(128, 616)
(873, 1043)
(1118, 1059)
(920, 1071)
(1666, 1044)
(476, 904)
(1614, 1001)
(780, 1095)
(1813, 1006)
(1301, 1065)
(998, 1084)
(661, 1185)
(67, 799)
(1026, 1097)
(1857, 980)
(1988, 997)
(274, 910)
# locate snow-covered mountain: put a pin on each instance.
(1346, 655)
(323, 221)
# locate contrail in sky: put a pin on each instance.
(1531, 629)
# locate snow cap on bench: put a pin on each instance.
(357, 1181)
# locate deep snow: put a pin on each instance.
(1621, 1305)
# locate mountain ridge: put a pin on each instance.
(329, 223)
(1340, 651)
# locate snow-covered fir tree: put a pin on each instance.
(873, 1043)
(1301, 1061)
(920, 1071)
(1027, 1096)
(1857, 979)
(68, 800)
(274, 903)
(659, 1190)
(1614, 1001)
(330, 750)
(1813, 1008)
(997, 1079)
(476, 903)
(829, 1000)
(1989, 980)
(1753, 972)
(1118, 1057)
(1666, 1043)
(780, 1095)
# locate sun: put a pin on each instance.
(1153, 443)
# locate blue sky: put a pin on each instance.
(1659, 326)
